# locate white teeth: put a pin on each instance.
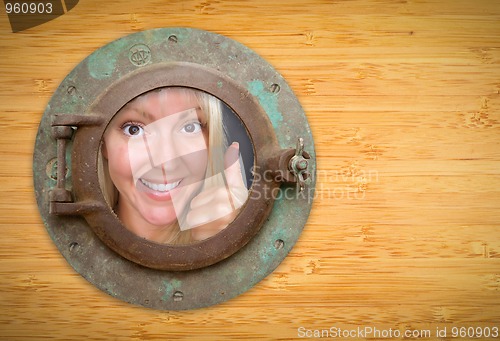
(160, 187)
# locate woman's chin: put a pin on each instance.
(160, 219)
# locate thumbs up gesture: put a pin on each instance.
(216, 207)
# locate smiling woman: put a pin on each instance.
(166, 169)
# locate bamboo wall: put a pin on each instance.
(403, 99)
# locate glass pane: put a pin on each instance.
(174, 165)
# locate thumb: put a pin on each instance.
(232, 166)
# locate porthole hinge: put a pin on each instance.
(61, 201)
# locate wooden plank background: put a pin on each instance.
(403, 98)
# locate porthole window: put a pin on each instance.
(177, 157)
(171, 167)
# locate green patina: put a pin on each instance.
(267, 100)
(201, 287)
(102, 63)
(169, 288)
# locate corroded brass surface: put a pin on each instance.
(96, 244)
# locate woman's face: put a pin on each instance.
(157, 155)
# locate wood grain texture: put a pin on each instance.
(403, 99)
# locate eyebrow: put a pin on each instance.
(185, 113)
(182, 114)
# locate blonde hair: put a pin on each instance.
(217, 144)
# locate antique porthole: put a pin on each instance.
(174, 168)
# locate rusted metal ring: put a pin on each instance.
(106, 224)
(215, 269)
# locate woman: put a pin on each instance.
(165, 168)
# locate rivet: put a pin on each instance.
(51, 169)
(173, 38)
(178, 296)
(71, 90)
(279, 244)
(74, 246)
(274, 88)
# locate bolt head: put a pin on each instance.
(302, 164)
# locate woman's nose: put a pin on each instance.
(162, 150)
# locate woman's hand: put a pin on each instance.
(216, 207)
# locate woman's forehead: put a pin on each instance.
(164, 102)
(167, 100)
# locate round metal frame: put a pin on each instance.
(88, 233)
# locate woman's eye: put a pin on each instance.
(191, 128)
(133, 130)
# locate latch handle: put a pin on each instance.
(298, 165)
(291, 165)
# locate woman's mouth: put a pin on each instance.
(160, 187)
